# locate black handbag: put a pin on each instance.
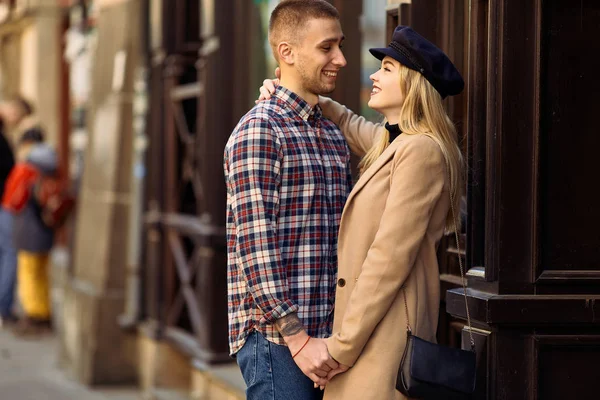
(429, 371)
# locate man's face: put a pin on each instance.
(319, 55)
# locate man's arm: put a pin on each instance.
(289, 325)
(253, 163)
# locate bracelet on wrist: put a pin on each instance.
(305, 343)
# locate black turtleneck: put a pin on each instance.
(394, 131)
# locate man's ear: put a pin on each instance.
(286, 53)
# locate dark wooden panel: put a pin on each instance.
(565, 282)
(392, 20)
(569, 211)
(154, 195)
(476, 78)
(511, 366)
(526, 310)
(516, 129)
(452, 39)
(483, 343)
(566, 367)
(404, 14)
(188, 28)
(348, 84)
(396, 14)
(425, 18)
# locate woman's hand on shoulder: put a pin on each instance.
(268, 87)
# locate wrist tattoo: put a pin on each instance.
(289, 325)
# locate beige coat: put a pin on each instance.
(390, 229)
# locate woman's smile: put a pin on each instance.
(375, 90)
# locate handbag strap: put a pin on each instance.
(462, 272)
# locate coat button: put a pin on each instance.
(341, 282)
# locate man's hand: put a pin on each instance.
(315, 359)
(268, 87)
(335, 371)
(310, 354)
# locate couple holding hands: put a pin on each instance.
(323, 275)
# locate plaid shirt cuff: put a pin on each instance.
(283, 309)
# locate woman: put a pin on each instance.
(395, 216)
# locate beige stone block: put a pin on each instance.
(210, 385)
(162, 366)
(75, 343)
(147, 355)
(115, 352)
(91, 247)
(100, 255)
(200, 388)
(94, 349)
(109, 152)
(174, 369)
(218, 392)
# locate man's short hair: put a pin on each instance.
(290, 16)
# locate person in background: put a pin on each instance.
(12, 113)
(33, 239)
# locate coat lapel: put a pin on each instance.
(383, 159)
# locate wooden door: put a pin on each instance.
(531, 236)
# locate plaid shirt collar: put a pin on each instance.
(297, 104)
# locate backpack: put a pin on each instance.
(54, 200)
(18, 187)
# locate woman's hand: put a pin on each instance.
(268, 87)
(335, 371)
(340, 369)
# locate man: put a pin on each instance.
(287, 171)
(12, 113)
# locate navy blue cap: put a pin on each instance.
(417, 53)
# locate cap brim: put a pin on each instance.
(381, 53)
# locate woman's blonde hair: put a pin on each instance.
(423, 113)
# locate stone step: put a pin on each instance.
(165, 394)
(220, 382)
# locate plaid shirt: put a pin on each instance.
(287, 171)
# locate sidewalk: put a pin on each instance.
(29, 371)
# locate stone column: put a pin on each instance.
(39, 65)
(93, 346)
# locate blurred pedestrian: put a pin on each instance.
(12, 113)
(33, 239)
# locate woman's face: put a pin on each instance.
(386, 96)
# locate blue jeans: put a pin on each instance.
(8, 263)
(271, 373)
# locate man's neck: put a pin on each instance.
(311, 98)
